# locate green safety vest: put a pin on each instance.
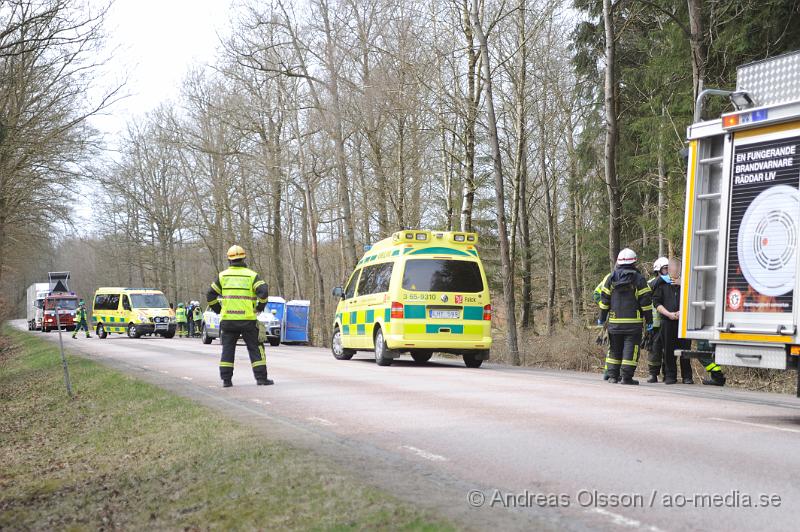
(180, 315)
(197, 314)
(238, 293)
(81, 314)
(656, 313)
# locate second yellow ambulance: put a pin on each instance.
(416, 292)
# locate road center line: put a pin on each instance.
(259, 402)
(321, 421)
(427, 455)
(621, 520)
(759, 425)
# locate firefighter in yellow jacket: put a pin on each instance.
(239, 294)
(626, 302)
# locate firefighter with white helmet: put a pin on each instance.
(239, 295)
(625, 305)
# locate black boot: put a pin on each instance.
(716, 379)
(264, 381)
(670, 380)
(630, 381)
(612, 380)
(227, 383)
(688, 380)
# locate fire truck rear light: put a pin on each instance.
(730, 120)
(397, 311)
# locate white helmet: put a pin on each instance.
(626, 256)
(660, 263)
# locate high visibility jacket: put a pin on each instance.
(239, 291)
(598, 290)
(626, 301)
(180, 315)
(197, 315)
(81, 314)
(652, 283)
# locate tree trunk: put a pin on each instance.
(697, 46)
(502, 230)
(610, 90)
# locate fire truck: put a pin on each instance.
(742, 221)
(61, 301)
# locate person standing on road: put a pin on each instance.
(180, 319)
(666, 299)
(655, 352)
(83, 323)
(197, 318)
(239, 295)
(625, 304)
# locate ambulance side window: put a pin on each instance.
(112, 302)
(126, 303)
(350, 289)
(375, 279)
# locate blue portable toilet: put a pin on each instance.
(295, 324)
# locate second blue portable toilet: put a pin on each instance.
(295, 324)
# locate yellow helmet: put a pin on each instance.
(236, 252)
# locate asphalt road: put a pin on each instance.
(543, 449)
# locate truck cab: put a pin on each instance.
(741, 230)
(59, 310)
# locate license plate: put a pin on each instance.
(445, 314)
(161, 326)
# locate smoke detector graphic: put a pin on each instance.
(768, 239)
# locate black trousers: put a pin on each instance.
(623, 353)
(230, 332)
(671, 342)
(655, 358)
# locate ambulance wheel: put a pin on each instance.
(421, 357)
(471, 361)
(205, 337)
(169, 334)
(382, 351)
(133, 331)
(101, 332)
(274, 342)
(338, 350)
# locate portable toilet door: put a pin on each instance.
(278, 304)
(295, 325)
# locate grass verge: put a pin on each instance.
(127, 455)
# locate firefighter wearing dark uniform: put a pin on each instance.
(655, 356)
(238, 295)
(625, 304)
(83, 323)
(666, 300)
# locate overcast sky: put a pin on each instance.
(154, 43)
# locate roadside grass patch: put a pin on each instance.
(126, 454)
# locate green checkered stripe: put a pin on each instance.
(358, 327)
(373, 258)
(110, 323)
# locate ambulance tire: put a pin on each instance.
(101, 332)
(471, 361)
(133, 331)
(421, 357)
(169, 334)
(274, 342)
(339, 352)
(382, 351)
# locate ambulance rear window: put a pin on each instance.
(437, 275)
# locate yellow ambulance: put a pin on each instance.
(417, 292)
(132, 311)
